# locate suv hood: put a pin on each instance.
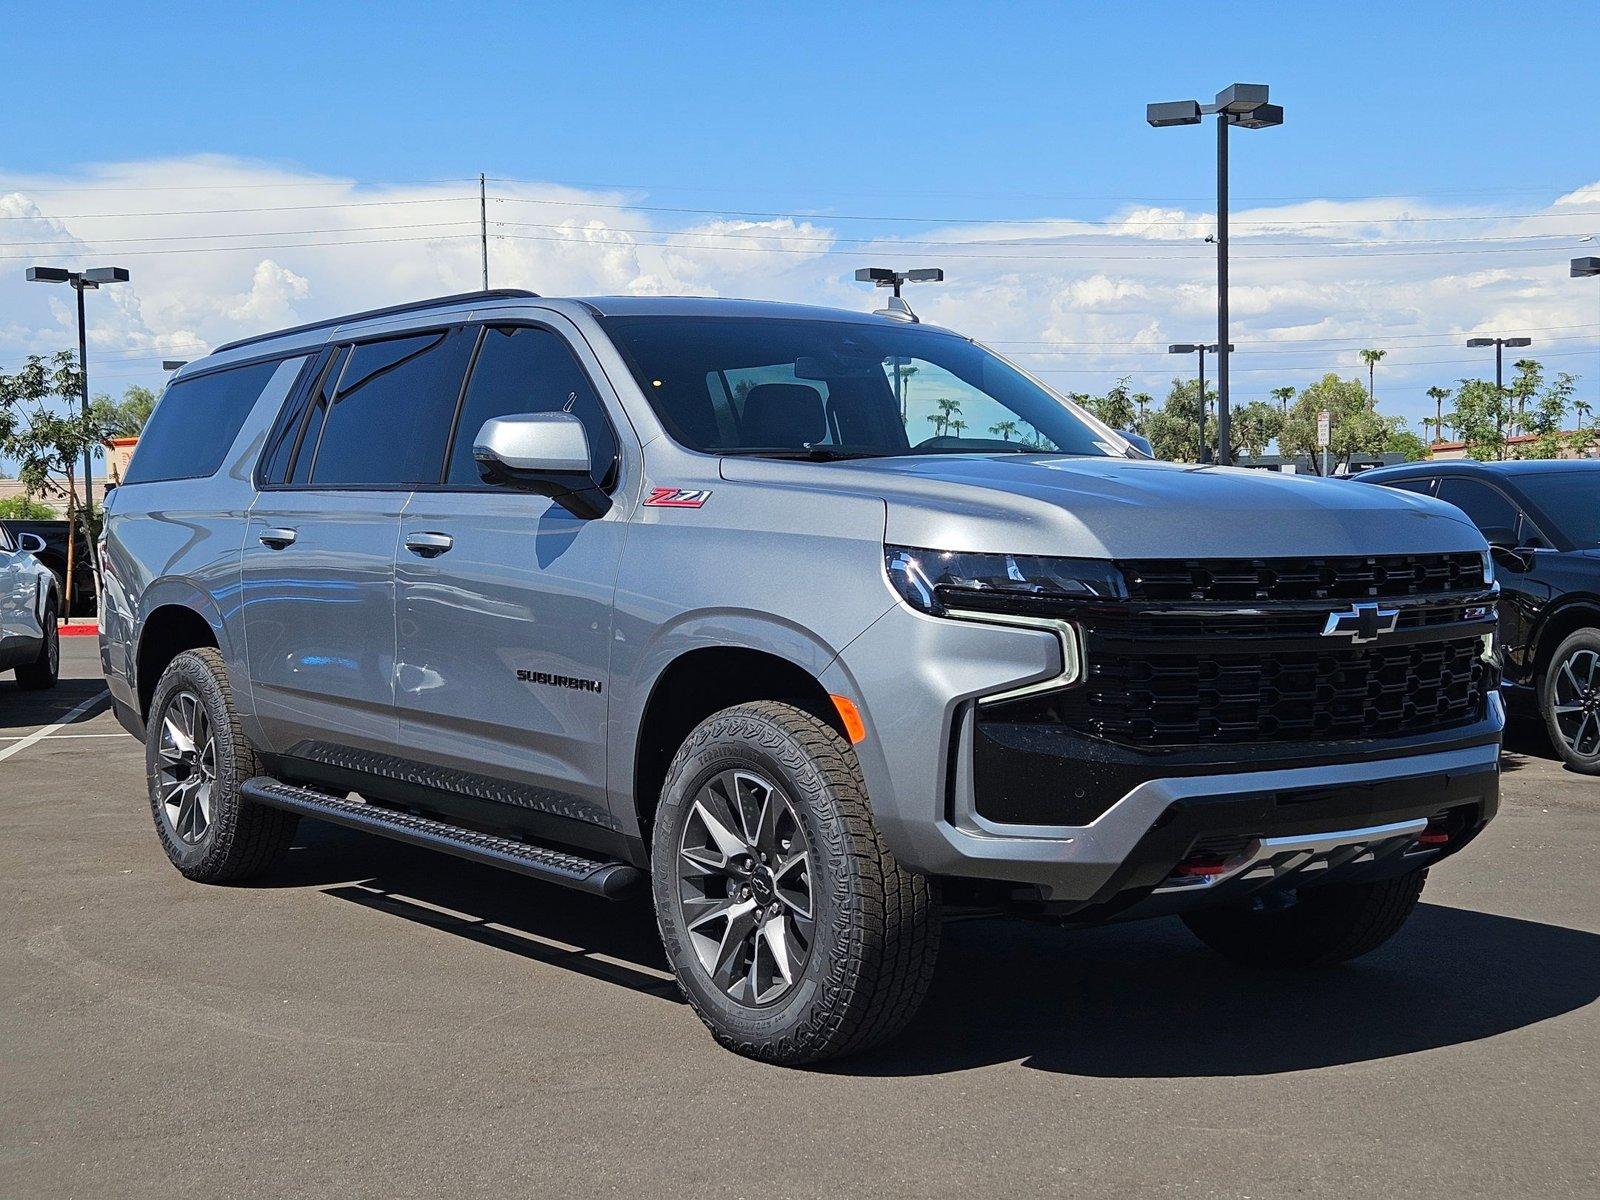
(1128, 508)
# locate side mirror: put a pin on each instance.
(546, 453)
(1503, 545)
(31, 542)
(1140, 442)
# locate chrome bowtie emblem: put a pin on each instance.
(1362, 622)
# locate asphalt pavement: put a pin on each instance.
(374, 1020)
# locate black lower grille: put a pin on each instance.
(1348, 577)
(1314, 695)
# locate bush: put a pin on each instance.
(25, 508)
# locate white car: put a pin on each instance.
(30, 642)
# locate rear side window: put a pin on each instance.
(391, 415)
(522, 369)
(1421, 486)
(192, 428)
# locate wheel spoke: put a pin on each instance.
(752, 798)
(1577, 738)
(185, 820)
(727, 842)
(736, 935)
(792, 882)
(774, 932)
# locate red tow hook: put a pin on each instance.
(1202, 864)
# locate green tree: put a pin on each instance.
(1283, 395)
(1524, 387)
(1115, 408)
(1144, 400)
(1405, 442)
(1253, 427)
(125, 418)
(1174, 428)
(1438, 395)
(1004, 429)
(1355, 427)
(1545, 416)
(949, 411)
(1372, 358)
(43, 430)
(1480, 418)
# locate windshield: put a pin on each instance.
(1571, 499)
(841, 389)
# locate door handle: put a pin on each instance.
(429, 545)
(277, 539)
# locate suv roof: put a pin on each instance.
(1471, 466)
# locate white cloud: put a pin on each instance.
(1109, 292)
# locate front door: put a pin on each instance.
(504, 602)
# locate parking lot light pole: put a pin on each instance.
(1587, 267)
(1499, 345)
(81, 282)
(1200, 350)
(1244, 105)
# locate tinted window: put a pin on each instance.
(194, 425)
(307, 428)
(1487, 508)
(6, 544)
(521, 369)
(390, 418)
(858, 388)
(1570, 499)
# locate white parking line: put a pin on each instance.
(61, 737)
(39, 735)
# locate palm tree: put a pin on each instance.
(1428, 423)
(1004, 430)
(948, 410)
(1371, 358)
(1438, 395)
(1283, 395)
(1583, 408)
(957, 426)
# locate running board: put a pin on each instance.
(597, 876)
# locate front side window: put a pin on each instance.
(1485, 507)
(525, 369)
(391, 416)
(1570, 499)
(805, 388)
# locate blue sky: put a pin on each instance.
(805, 125)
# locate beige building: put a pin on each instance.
(1453, 450)
(110, 469)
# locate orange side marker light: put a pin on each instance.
(851, 716)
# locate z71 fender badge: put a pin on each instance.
(676, 498)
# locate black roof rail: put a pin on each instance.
(392, 310)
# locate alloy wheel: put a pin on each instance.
(744, 887)
(1577, 702)
(186, 773)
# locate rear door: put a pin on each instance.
(505, 598)
(320, 545)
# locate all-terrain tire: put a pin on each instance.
(876, 933)
(1581, 754)
(43, 671)
(241, 839)
(1328, 924)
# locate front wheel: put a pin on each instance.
(44, 671)
(1327, 924)
(792, 930)
(1569, 698)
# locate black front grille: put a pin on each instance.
(1368, 577)
(1329, 693)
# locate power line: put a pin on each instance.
(209, 212)
(442, 237)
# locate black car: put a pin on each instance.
(1542, 519)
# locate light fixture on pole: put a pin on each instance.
(1499, 345)
(1200, 350)
(1244, 105)
(80, 282)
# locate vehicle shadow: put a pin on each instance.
(615, 941)
(1147, 1000)
(22, 712)
(1138, 1000)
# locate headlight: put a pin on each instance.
(1488, 567)
(932, 581)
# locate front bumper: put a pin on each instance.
(920, 677)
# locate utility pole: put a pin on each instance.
(483, 225)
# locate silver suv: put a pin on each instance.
(815, 623)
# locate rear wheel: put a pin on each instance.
(196, 756)
(1328, 924)
(792, 930)
(43, 671)
(1569, 698)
